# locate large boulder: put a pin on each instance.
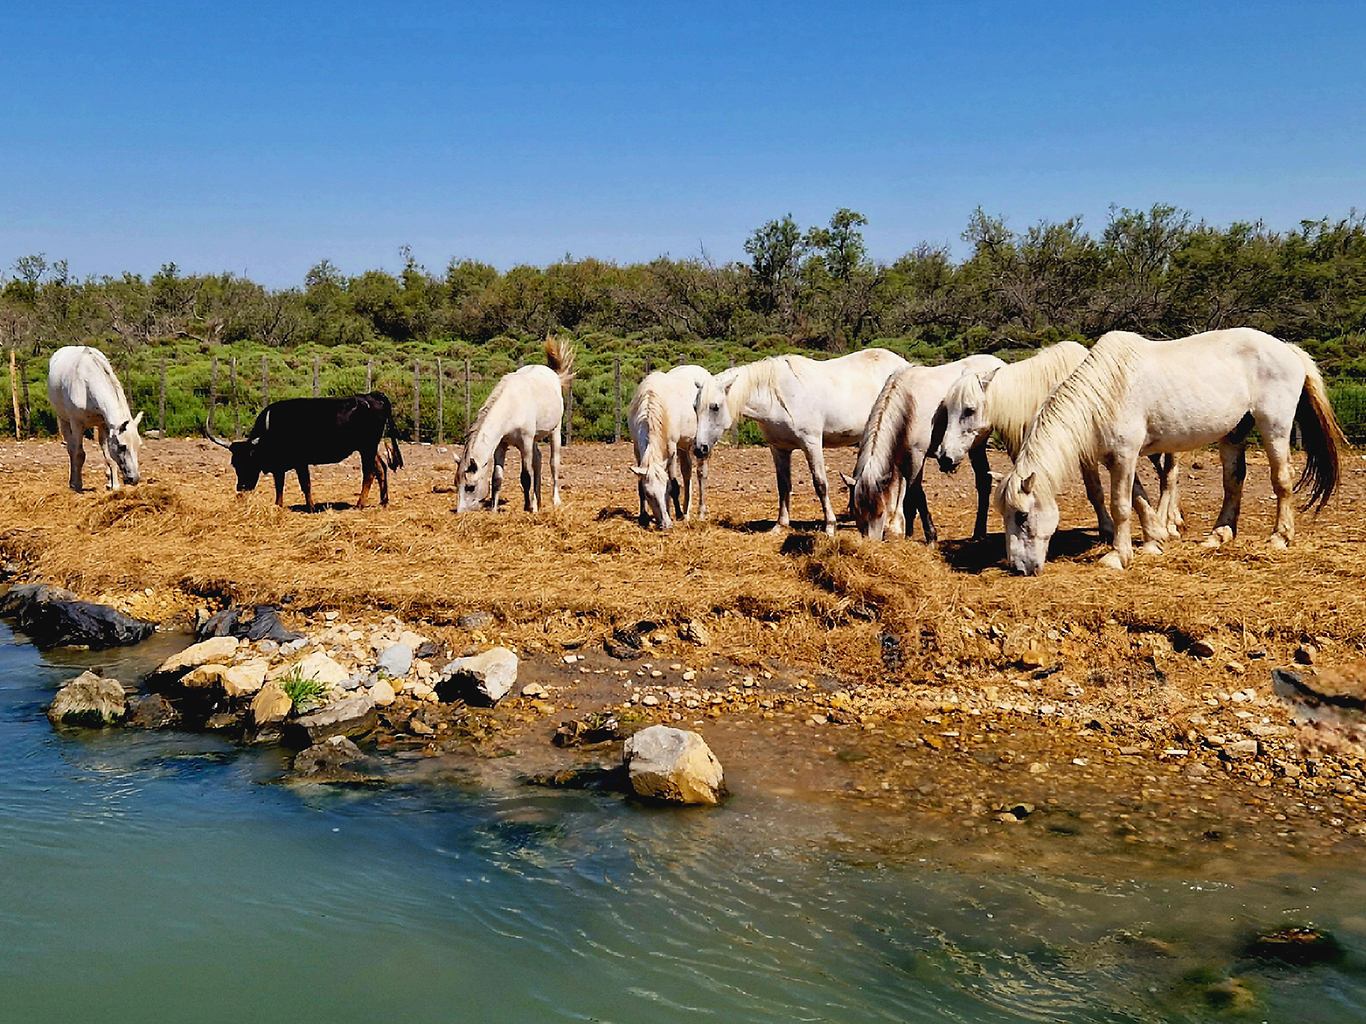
(53, 618)
(216, 651)
(327, 761)
(351, 716)
(673, 765)
(482, 679)
(271, 705)
(89, 700)
(316, 666)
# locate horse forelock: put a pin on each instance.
(1017, 390)
(1067, 428)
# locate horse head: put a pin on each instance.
(713, 415)
(122, 444)
(963, 421)
(1029, 511)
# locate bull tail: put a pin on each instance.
(391, 433)
(559, 356)
(1323, 438)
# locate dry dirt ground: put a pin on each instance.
(929, 685)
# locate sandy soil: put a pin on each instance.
(928, 686)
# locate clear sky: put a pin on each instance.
(261, 137)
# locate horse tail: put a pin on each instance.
(1323, 438)
(391, 432)
(559, 356)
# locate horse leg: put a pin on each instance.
(75, 450)
(982, 469)
(500, 455)
(902, 520)
(1095, 494)
(305, 485)
(1233, 456)
(815, 458)
(1169, 500)
(674, 490)
(1154, 525)
(782, 466)
(926, 523)
(685, 472)
(530, 500)
(555, 467)
(102, 439)
(702, 488)
(1122, 469)
(1278, 455)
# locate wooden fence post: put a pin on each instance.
(417, 401)
(265, 382)
(213, 390)
(467, 396)
(236, 416)
(316, 388)
(23, 388)
(161, 405)
(14, 392)
(648, 366)
(370, 375)
(440, 403)
(616, 378)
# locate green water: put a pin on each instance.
(164, 877)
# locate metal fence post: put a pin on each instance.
(417, 401)
(236, 416)
(616, 378)
(316, 390)
(161, 405)
(440, 403)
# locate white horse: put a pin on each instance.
(663, 424)
(525, 407)
(1006, 399)
(1132, 397)
(896, 439)
(798, 403)
(85, 394)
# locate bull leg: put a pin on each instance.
(982, 470)
(382, 472)
(368, 468)
(279, 489)
(306, 485)
(75, 450)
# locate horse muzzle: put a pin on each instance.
(946, 464)
(701, 450)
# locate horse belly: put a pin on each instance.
(1192, 410)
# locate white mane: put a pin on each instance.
(649, 405)
(485, 411)
(883, 439)
(1018, 390)
(1067, 427)
(762, 375)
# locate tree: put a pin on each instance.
(776, 252)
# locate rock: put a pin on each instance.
(1298, 945)
(267, 647)
(427, 651)
(1200, 648)
(533, 690)
(482, 679)
(1305, 654)
(476, 620)
(327, 761)
(382, 693)
(151, 712)
(588, 776)
(593, 729)
(208, 652)
(52, 618)
(1031, 658)
(1230, 995)
(244, 679)
(413, 641)
(396, 660)
(695, 633)
(419, 728)
(219, 624)
(89, 700)
(350, 716)
(674, 766)
(1241, 750)
(264, 624)
(270, 705)
(204, 677)
(223, 720)
(317, 666)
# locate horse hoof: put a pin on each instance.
(1112, 561)
(1151, 547)
(1277, 543)
(1219, 535)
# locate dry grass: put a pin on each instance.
(571, 574)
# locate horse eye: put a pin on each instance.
(469, 487)
(1021, 518)
(969, 411)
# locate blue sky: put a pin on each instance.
(262, 137)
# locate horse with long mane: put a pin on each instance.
(663, 424)
(1006, 399)
(526, 406)
(896, 439)
(1132, 397)
(85, 394)
(799, 404)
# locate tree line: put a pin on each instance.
(1157, 271)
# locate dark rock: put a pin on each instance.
(624, 644)
(25, 594)
(1298, 946)
(88, 700)
(593, 729)
(151, 712)
(589, 776)
(351, 716)
(222, 623)
(892, 658)
(223, 720)
(428, 651)
(264, 624)
(52, 617)
(327, 761)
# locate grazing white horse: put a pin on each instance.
(525, 407)
(663, 423)
(896, 439)
(798, 403)
(1006, 400)
(1132, 397)
(85, 394)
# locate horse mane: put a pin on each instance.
(484, 411)
(1017, 390)
(1067, 427)
(650, 405)
(756, 376)
(875, 469)
(559, 356)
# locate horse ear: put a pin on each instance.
(121, 427)
(1027, 484)
(638, 471)
(137, 419)
(985, 378)
(848, 480)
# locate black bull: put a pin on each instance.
(300, 432)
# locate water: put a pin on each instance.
(165, 877)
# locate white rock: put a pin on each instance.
(382, 693)
(88, 700)
(673, 765)
(246, 678)
(313, 666)
(482, 679)
(214, 650)
(396, 660)
(271, 704)
(411, 639)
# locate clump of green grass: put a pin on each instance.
(305, 692)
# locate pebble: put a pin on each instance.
(1305, 654)
(649, 700)
(330, 616)
(420, 728)
(533, 690)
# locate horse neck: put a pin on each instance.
(489, 427)
(107, 395)
(884, 440)
(750, 379)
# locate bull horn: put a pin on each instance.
(216, 440)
